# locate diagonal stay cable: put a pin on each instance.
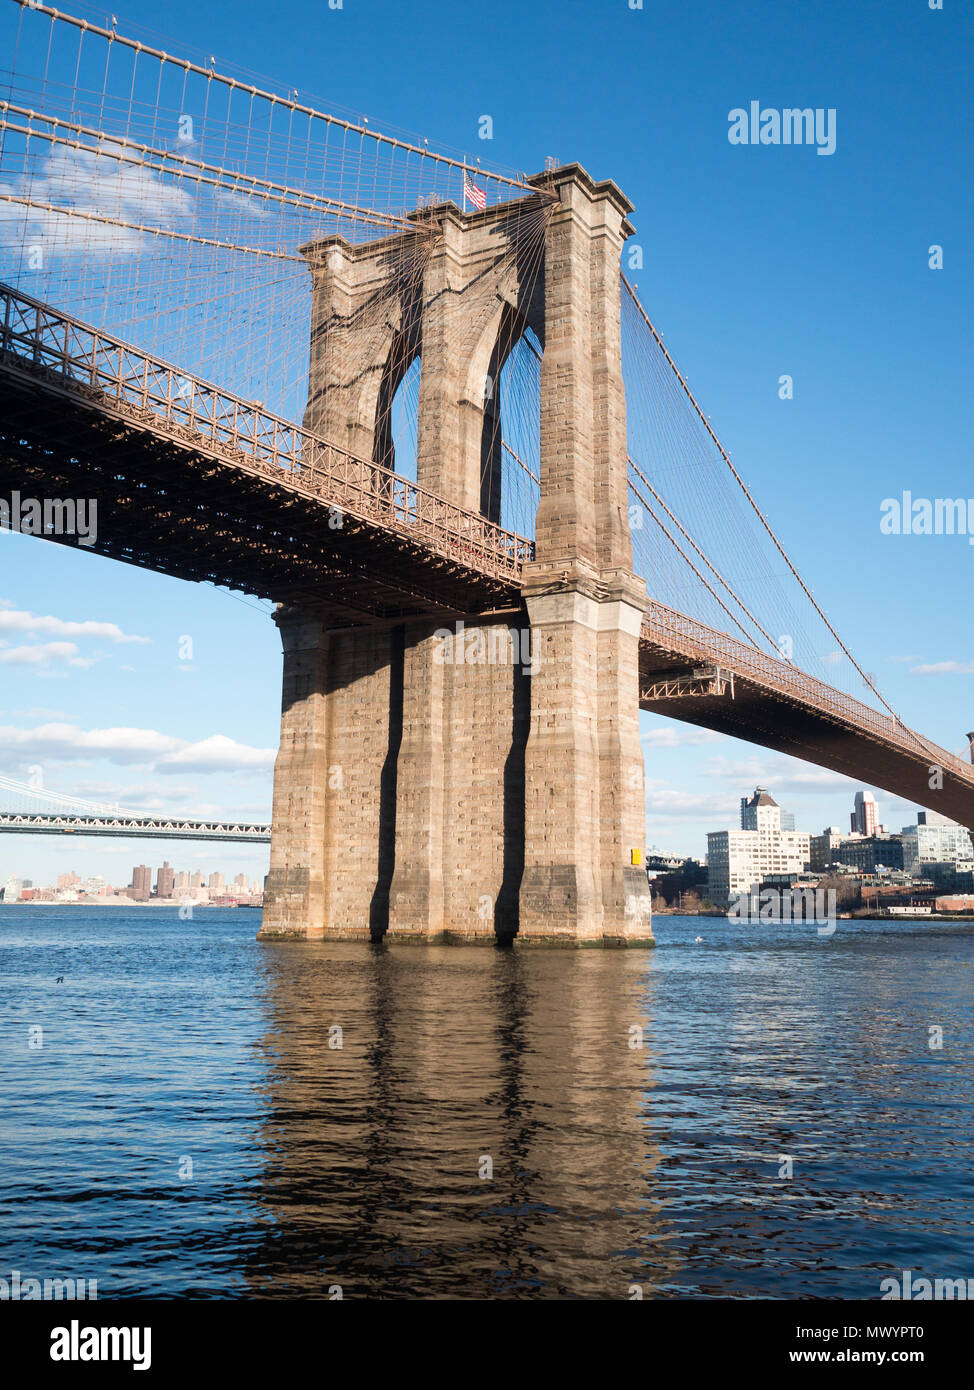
(760, 515)
(713, 593)
(683, 531)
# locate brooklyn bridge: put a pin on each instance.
(417, 404)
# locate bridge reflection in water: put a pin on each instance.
(450, 1058)
(613, 1167)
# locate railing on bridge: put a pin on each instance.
(676, 632)
(155, 393)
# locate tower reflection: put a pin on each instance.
(480, 1127)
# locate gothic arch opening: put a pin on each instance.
(511, 438)
(397, 408)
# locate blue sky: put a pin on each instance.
(758, 261)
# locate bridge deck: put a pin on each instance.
(137, 827)
(204, 485)
(781, 707)
(197, 483)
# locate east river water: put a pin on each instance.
(759, 1114)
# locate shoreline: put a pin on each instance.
(842, 916)
(124, 902)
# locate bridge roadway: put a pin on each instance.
(197, 483)
(137, 827)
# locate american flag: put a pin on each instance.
(478, 196)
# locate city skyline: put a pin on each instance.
(145, 883)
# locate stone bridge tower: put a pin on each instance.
(418, 798)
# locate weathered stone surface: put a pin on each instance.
(334, 790)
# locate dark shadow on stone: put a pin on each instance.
(506, 909)
(388, 788)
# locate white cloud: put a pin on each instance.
(45, 654)
(943, 668)
(167, 798)
(100, 184)
(140, 796)
(91, 191)
(68, 743)
(780, 774)
(671, 802)
(20, 620)
(54, 743)
(217, 754)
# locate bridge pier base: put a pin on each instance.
(584, 779)
(331, 851)
(460, 787)
(478, 784)
(399, 784)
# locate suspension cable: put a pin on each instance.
(760, 515)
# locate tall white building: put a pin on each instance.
(865, 817)
(760, 811)
(12, 889)
(753, 808)
(738, 859)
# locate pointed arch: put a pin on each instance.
(403, 353)
(491, 384)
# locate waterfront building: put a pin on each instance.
(870, 853)
(935, 840)
(165, 880)
(951, 876)
(823, 848)
(13, 889)
(141, 885)
(737, 860)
